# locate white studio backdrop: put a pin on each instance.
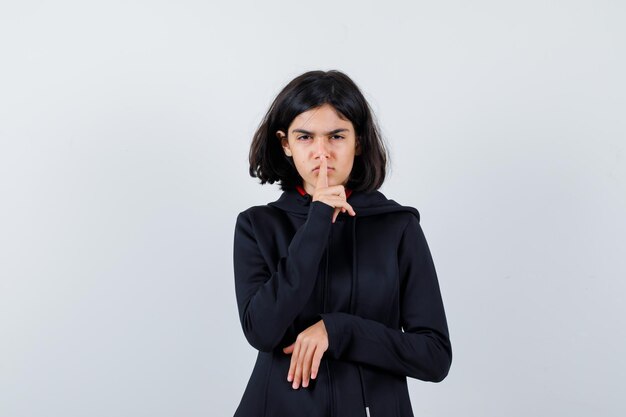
(124, 135)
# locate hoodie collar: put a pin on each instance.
(297, 201)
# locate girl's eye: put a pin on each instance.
(303, 137)
(337, 137)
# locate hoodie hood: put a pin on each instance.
(364, 204)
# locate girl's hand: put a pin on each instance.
(334, 196)
(306, 354)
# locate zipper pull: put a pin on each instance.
(367, 411)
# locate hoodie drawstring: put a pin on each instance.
(353, 308)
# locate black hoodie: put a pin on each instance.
(372, 281)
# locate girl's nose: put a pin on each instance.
(322, 151)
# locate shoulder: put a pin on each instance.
(381, 209)
(261, 210)
(258, 213)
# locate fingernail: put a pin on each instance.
(294, 386)
(289, 378)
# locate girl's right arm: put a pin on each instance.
(269, 301)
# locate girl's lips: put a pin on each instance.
(316, 169)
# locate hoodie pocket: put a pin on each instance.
(387, 394)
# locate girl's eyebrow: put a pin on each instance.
(306, 132)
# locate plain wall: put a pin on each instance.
(124, 136)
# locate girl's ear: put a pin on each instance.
(284, 142)
(357, 149)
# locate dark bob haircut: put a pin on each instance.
(268, 161)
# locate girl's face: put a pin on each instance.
(320, 133)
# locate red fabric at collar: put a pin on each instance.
(303, 193)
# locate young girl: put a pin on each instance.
(335, 283)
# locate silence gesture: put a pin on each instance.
(334, 196)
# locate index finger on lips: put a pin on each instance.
(322, 174)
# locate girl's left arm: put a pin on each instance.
(421, 349)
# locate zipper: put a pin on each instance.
(325, 292)
(353, 309)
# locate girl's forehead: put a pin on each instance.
(321, 117)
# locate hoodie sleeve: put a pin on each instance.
(421, 349)
(268, 302)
